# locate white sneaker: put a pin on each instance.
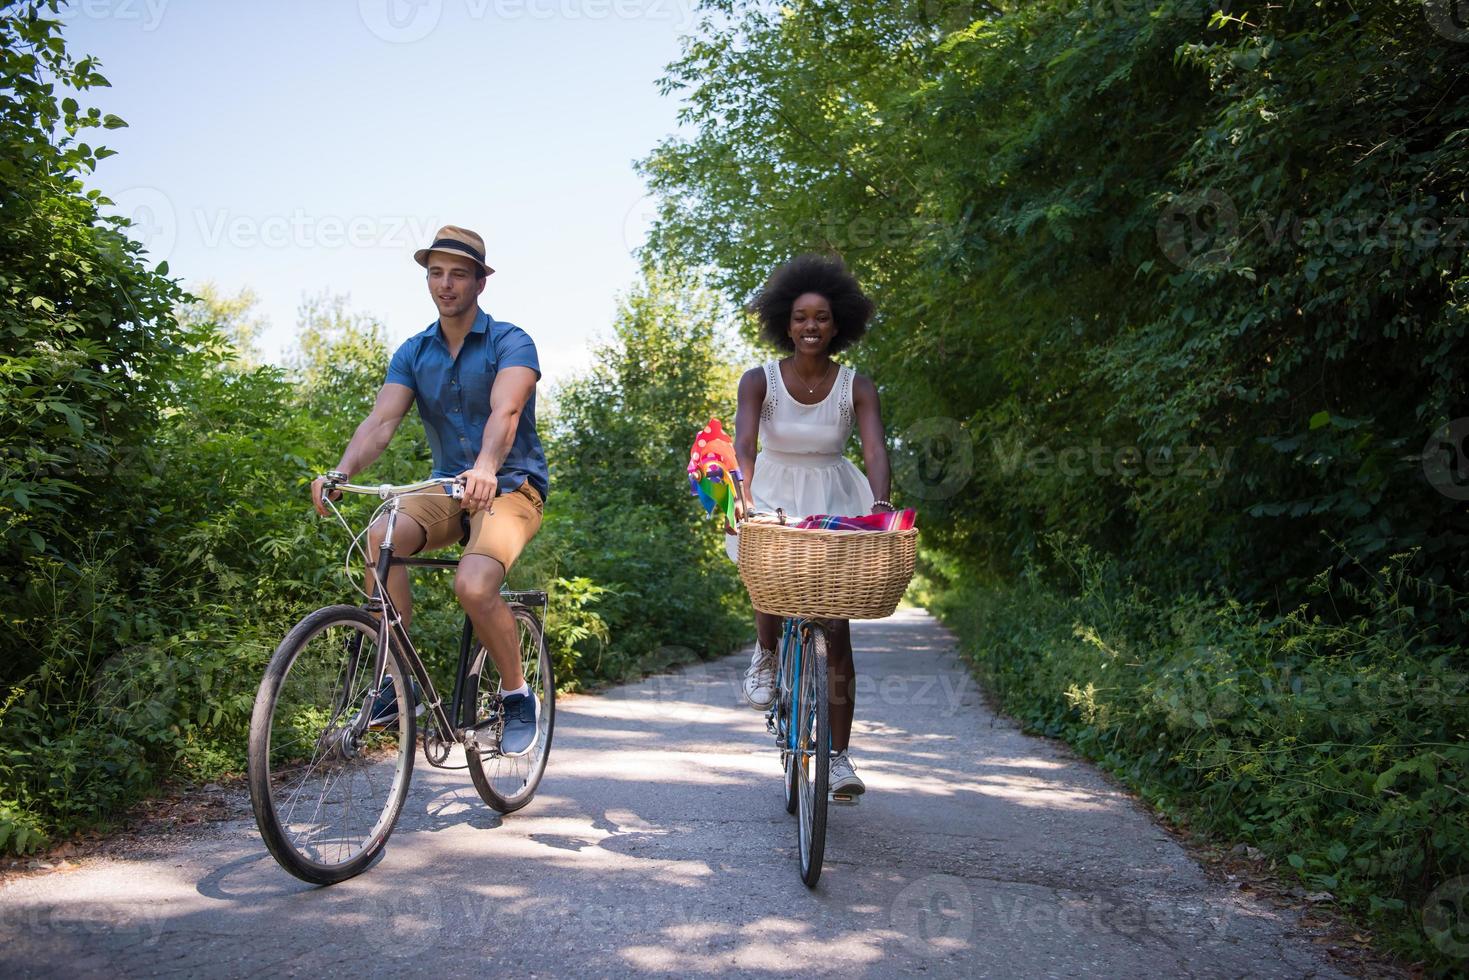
(760, 679)
(842, 777)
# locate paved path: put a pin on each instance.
(659, 843)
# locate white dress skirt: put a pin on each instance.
(800, 467)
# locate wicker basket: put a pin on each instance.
(827, 574)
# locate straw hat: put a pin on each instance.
(453, 240)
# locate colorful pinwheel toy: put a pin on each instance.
(714, 473)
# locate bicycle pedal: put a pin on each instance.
(845, 799)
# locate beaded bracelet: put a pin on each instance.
(884, 503)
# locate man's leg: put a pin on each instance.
(478, 586)
(408, 539)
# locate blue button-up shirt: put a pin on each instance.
(453, 395)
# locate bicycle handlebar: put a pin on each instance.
(386, 491)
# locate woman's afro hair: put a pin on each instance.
(820, 274)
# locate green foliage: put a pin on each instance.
(1104, 237)
(138, 672)
(87, 339)
(620, 514)
(1336, 747)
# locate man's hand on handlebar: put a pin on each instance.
(479, 488)
(318, 484)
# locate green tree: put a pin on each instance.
(620, 515)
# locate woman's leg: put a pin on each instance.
(767, 630)
(841, 677)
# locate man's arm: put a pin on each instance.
(372, 436)
(508, 396)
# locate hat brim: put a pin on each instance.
(421, 257)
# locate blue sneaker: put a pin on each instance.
(520, 734)
(385, 709)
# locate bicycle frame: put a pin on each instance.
(792, 645)
(391, 629)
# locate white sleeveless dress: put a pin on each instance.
(800, 467)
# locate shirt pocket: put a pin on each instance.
(476, 377)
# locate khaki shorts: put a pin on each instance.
(501, 532)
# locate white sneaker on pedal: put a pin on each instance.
(760, 679)
(843, 778)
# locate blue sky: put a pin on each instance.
(308, 146)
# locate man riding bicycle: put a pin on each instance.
(475, 381)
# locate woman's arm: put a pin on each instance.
(747, 433)
(874, 441)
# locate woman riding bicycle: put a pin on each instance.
(801, 409)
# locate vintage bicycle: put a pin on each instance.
(809, 576)
(328, 776)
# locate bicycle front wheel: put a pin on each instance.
(326, 795)
(813, 755)
(505, 782)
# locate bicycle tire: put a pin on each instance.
(813, 745)
(508, 783)
(312, 690)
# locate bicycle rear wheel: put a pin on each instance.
(326, 799)
(813, 755)
(507, 783)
